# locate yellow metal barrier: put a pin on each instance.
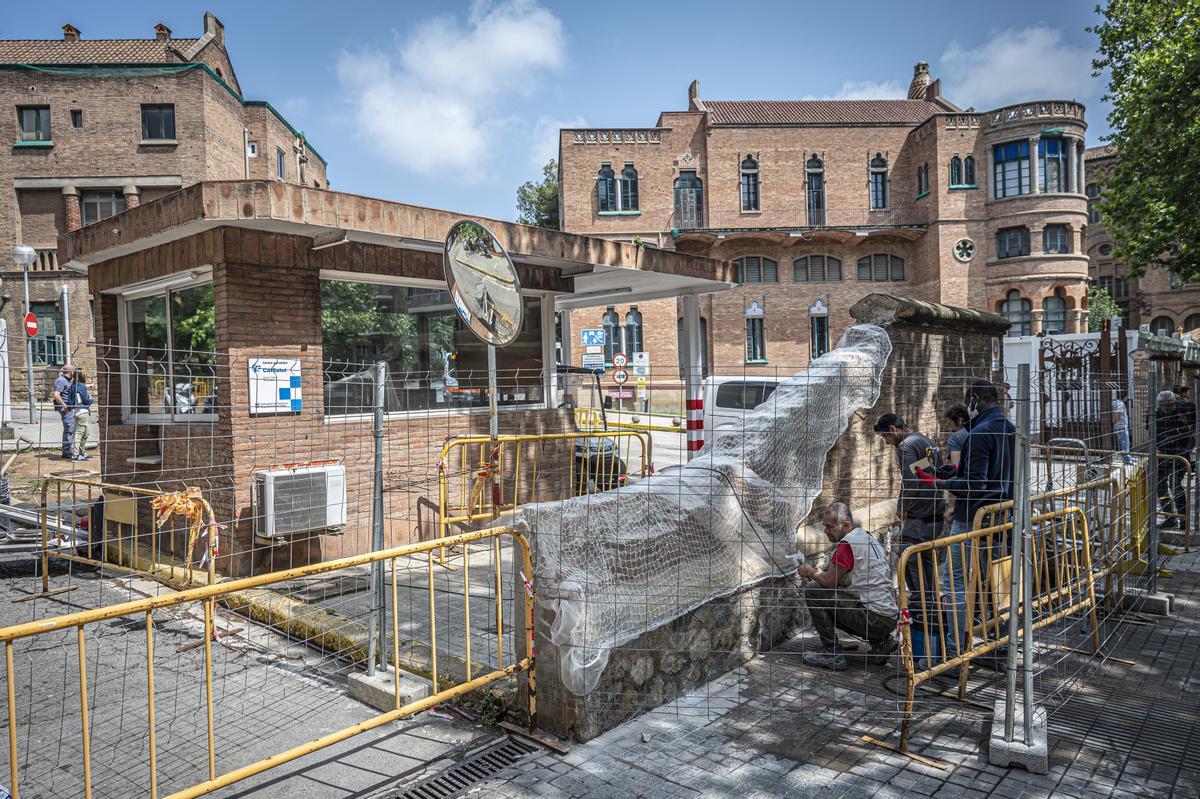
(1063, 583)
(591, 420)
(209, 596)
(475, 483)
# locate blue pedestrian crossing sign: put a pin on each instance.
(591, 337)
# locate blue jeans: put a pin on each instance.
(952, 579)
(1122, 437)
(68, 421)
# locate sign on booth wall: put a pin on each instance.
(275, 385)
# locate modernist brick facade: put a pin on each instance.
(1156, 299)
(96, 146)
(791, 144)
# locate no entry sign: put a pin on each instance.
(31, 325)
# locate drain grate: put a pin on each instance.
(482, 765)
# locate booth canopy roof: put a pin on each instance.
(601, 270)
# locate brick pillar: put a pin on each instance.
(131, 196)
(72, 216)
(1038, 321)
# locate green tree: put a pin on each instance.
(1100, 307)
(537, 203)
(1151, 208)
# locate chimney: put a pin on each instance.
(920, 82)
(694, 101)
(213, 25)
(70, 33)
(162, 32)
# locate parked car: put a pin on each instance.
(728, 399)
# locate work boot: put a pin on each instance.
(882, 651)
(831, 659)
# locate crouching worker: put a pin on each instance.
(854, 594)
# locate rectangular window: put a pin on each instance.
(33, 123)
(749, 191)
(170, 344)
(1056, 238)
(818, 336)
(1052, 164)
(252, 149)
(434, 362)
(48, 348)
(816, 199)
(97, 205)
(77, 118)
(879, 189)
(756, 342)
(280, 164)
(743, 396)
(158, 122)
(1011, 169)
(1012, 242)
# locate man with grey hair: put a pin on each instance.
(854, 594)
(65, 412)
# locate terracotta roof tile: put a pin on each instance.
(92, 51)
(1103, 151)
(820, 112)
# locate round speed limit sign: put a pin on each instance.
(620, 361)
(620, 376)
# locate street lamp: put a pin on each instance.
(23, 255)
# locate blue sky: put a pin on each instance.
(454, 104)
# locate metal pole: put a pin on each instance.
(1017, 578)
(28, 345)
(1023, 455)
(1193, 508)
(493, 419)
(377, 643)
(1152, 548)
(66, 324)
(693, 375)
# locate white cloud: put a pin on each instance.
(294, 107)
(1017, 64)
(868, 90)
(544, 141)
(437, 101)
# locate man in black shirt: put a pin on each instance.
(1174, 428)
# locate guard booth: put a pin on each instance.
(237, 324)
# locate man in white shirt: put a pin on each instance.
(1120, 422)
(854, 594)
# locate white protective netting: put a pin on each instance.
(614, 565)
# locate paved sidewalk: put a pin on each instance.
(778, 728)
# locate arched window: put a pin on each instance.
(1093, 213)
(1191, 323)
(956, 176)
(606, 189)
(1012, 242)
(1162, 326)
(817, 269)
(969, 171)
(1054, 313)
(689, 202)
(629, 188)
(922, 181)
(753, 269)
(879, 177)
(880, 268)
(749, 184)
(611, 324)
(815, 171)
(1092, 190)
(1019, 312)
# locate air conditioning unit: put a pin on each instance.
(303, 499)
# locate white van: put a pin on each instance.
(728, 399)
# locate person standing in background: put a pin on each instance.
(61, 384)
(81, 403)
(1120, 423)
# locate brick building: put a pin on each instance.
(97, 126)
(1157, 299)
(819, 203)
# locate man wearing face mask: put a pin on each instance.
(985, 477)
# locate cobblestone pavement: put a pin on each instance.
(776, 728)
(269, 694)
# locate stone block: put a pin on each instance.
(379, 690)
(1033, 757)
(1140, 601)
